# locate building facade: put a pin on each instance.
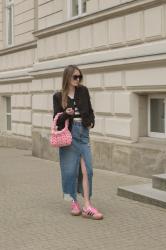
(120, 45)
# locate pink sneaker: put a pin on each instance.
(91, 213)
(75, 208)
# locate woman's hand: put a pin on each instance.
(70, 111)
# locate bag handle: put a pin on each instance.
(53, 127)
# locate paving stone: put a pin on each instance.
(34, 216)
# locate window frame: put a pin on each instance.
(150, 133)
(69, 8)
(8, 113)
(4, 114)
(9, 4)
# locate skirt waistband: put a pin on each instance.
(78, 123)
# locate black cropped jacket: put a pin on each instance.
(83, 103)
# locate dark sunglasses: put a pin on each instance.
(75, 77)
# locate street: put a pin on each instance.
(34, 216)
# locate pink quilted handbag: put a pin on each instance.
(60, 138)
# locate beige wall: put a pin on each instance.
(23, 21)
(97, 5)
(17, 60)
(50, 12)
(119, 32)
(21, 108)
(119, 47)
(116, 55)
(1, 26)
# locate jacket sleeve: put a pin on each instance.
(91, 112)
(87, 111)
(57, 108)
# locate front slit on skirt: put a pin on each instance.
(70, 157)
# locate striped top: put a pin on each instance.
(72, 104)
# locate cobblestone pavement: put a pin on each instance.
(33, 215)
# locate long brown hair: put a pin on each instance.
(67, 75)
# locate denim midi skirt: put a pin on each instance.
(70, 162)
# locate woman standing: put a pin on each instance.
(75, 160)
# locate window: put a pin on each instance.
(5, 113)
(157, 116)
(8, 113)
(77, 8)
(9, 22)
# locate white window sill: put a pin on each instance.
(76, 17)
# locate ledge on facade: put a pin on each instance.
(111, 139)
(142, 142)
(13, 49)
(147, 89)
(98, 16)
(154, 52)
(154, 142)
(16, 75)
